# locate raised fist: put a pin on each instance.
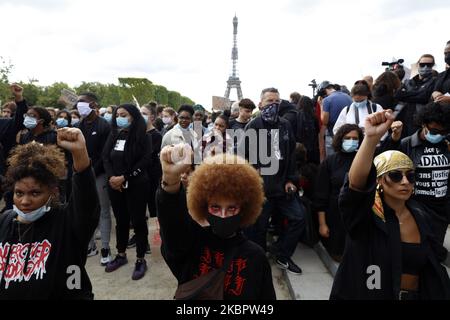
(71, 139)
(17, 91)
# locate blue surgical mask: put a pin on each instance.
(145, 118)
(62, 123)
(122, 122)
(33, 215)
(75, 121)
(108, 117)
(270, 113)
(434, 138)
(360, 104)
(350, 146)
(30, 122)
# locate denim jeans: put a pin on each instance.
(293, 211)
(105, 212)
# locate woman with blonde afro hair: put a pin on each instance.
(201, 228)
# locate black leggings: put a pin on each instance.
(130, 205)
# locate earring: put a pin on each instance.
(380, 188)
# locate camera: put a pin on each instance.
(394, 65)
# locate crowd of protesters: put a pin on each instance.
(369, 167)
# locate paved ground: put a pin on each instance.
(158, 284)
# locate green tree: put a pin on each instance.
(5, 70)
(186, 100)
(32, 92)
(174, 99)
(142, 89)
(161, 94)
(51, 95)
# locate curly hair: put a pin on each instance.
(340, 134)
(434, 112)
(46, 164)
(232, 177)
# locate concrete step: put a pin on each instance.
(315, 283)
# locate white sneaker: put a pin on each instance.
(106, 257)
(92, 252)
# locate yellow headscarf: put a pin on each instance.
(385, 162)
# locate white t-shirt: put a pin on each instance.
(349, 117)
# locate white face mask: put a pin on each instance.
(35, 214)
(84, 109)
(75, 121)
(167, 120)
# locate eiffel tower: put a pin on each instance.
(234, 82)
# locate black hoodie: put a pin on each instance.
(55, 265)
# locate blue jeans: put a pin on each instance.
(293, 211)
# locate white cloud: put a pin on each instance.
(186, 45)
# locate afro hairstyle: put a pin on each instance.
(230, 177)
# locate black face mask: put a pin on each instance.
(224, 227)
(447, 58)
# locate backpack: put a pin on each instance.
(371, 108)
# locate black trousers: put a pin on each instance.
(151, 196)
(130, 205)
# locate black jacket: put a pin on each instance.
(49, 136)
(115, 162)
(10, 127)
(415, 93)
(96, 134)
(329, 182)
(443, 82)
(372, 242)
(191, 251)
(59, 242)
(288, 111)
(274, 184)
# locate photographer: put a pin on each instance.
(416, 93)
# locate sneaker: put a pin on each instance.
(106, 257)
(289, 266)
(92, 251)
(149, 250)
(132, 242)
(139, 269)
(116, 264)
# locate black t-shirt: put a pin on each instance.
(235, 125)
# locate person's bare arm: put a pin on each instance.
(376, 125)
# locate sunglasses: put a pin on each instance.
(429, 65)
(397, 176)
(437, 131)
(218, 210)
(184, 118)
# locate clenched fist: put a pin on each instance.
(71, 139)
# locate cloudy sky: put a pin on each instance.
(186, 45)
